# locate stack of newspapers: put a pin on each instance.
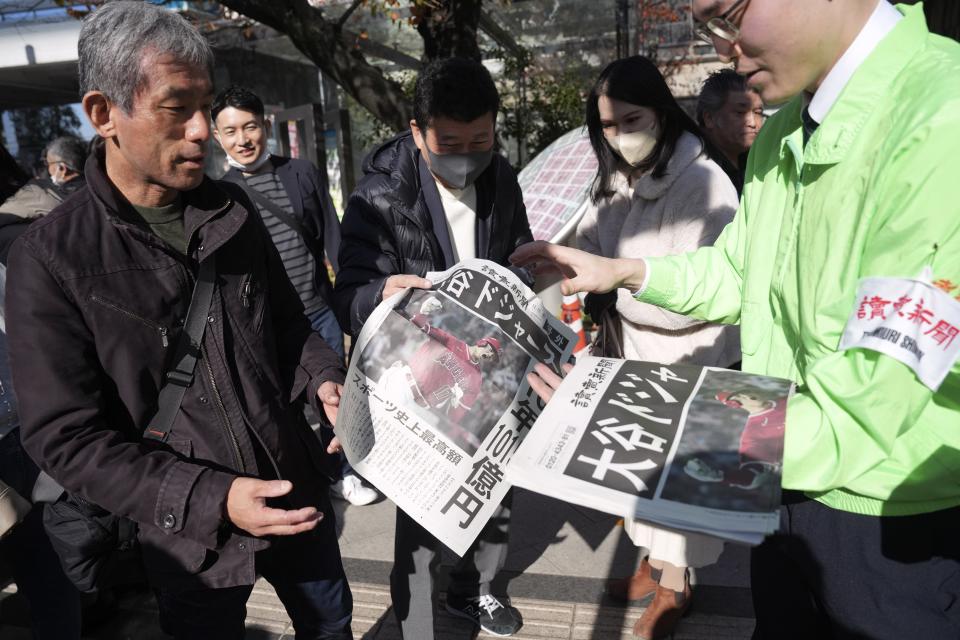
(685, 447)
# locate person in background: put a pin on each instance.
(851, 198)
(64, 158)
(300, 216)
(730, 116)
(293, 199)
(429, 198)
(656, 193)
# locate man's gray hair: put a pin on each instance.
(119, 39)
(715, 90)
(69, 150)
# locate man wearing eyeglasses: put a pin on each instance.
(842, 267)
(64, 158)
(856, 177)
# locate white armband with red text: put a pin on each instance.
(909, 320)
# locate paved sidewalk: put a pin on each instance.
(560, 556)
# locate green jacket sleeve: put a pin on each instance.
(858, 406)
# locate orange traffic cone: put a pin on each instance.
(570, 315)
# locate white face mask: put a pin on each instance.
(253, 166)
(636, 146)
(55, 176)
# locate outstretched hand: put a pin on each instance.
(247, 508)
(581, 271)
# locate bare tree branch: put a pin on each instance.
(349, 12)
(336, 52)
(500, 35)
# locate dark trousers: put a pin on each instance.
(830, 574)
(319, 603)
(54, 601)
(416, 556)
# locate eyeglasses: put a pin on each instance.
(722, 27)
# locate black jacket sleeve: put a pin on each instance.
(368, 256)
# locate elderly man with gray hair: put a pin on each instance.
(161, 356)
(63, 158)
(730, 116)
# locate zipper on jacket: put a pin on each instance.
(246, 288)
(163, 331)
(222, 410)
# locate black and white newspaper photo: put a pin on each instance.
(690, 447)
(436, 400)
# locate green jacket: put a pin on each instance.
(876, 192)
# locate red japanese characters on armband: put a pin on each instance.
(914, 321)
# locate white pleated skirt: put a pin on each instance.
(682, 549)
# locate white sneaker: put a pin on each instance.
(352, 489)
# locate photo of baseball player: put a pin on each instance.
(761, 443)
(461, 368)
(731, 451)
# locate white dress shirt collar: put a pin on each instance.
(882, 21)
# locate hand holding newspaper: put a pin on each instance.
(437, 413)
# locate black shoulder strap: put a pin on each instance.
(284, 217)
(180, 374)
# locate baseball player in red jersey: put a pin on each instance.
(761, 442)
(445, 373)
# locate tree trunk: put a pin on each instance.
(449, 29)
(335, 52)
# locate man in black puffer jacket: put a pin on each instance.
(429, 198)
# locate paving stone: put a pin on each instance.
(560, 593)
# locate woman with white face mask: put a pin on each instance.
(656, 193)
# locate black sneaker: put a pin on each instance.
(486, 611)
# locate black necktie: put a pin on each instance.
(809, 125)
